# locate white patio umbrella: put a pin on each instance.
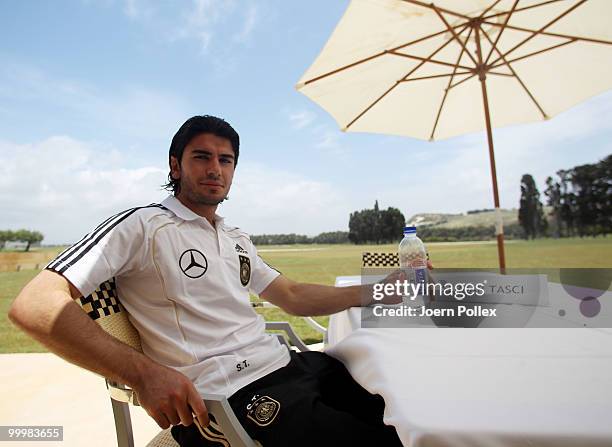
(434, 70)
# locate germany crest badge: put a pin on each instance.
(245, 270)
(263, 410)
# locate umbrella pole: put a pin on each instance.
(499, 225)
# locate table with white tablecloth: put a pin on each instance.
(483, 387)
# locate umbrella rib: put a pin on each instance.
(456, 37)
(522, 9)
(373, 104)
(461, 82)
(450, 81)
(438, 76)
(514, 74)
(431, 6)
(428, 59)
(493, 5)
(423, 61)
(543, 33)
(532, 54)
(374, 56)
(501, 31)
(540, 30)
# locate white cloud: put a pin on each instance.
(250, 20)
(199, 21)
(133, 110)
(204, 21)
(265, 200)
(64, 187)
(455, 176)
(138, 9)
(328, 139)
(217, 27)
(139, 111)
(301, 119)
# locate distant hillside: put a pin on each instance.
(473, 219)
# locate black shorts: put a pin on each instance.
(313, 401)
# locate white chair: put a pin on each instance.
(309, 320)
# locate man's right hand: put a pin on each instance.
(170, 398)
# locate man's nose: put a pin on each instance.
(214, 168)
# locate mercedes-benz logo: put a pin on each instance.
(193, 263)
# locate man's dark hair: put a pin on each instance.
(193, 127)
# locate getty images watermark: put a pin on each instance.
(411, 291)
(477, 298)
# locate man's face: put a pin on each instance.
(205, 171)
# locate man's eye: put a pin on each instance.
(226, 160)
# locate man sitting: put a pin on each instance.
(184, 276)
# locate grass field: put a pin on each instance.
(322, 263)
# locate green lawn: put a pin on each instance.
(12, 339)
(321, 264)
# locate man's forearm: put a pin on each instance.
(46, 311)
(314, 299)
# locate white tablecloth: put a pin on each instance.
(483, 387)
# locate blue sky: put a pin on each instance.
(91, 92)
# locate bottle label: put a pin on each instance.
(420, 275)
(416, 263)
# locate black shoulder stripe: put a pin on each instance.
(70, 257)
(113, 217)
(70, 251)
(56, 261)
(93, 243)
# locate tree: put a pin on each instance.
(332, 237)
(362, 226)
(376, 223)
(568, 202)
(31, 237)
(531, 212)
(581, 199)
(376, 226)
(583, 179)
(392, 224)
(553, 193)
(604, 193)
(5, 235)
(592, 188)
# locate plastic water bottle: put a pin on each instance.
(413, 257)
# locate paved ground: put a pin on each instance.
(43, 389)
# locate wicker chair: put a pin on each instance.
(103, 306)
(374, 259)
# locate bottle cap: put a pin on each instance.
(409, 230)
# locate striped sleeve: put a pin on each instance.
(112, 248)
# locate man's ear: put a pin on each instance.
(175, 168)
